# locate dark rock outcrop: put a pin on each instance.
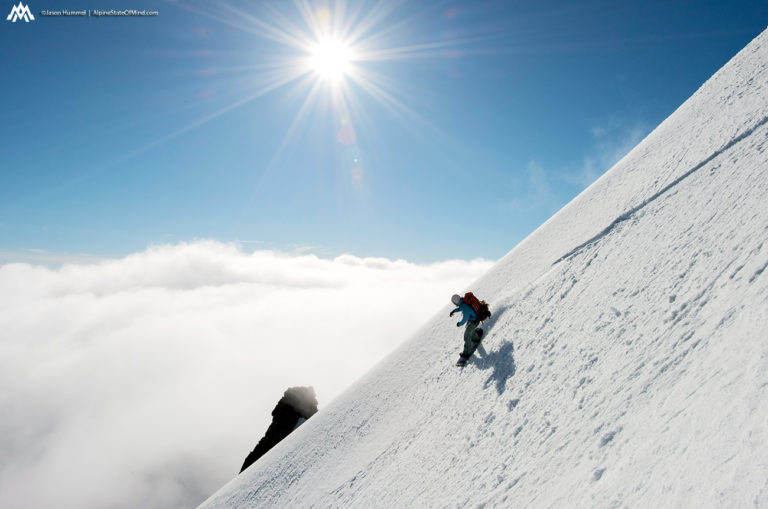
(296, 406)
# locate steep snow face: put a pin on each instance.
(626, 363)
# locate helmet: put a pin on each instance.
(455, 299)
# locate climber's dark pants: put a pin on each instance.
(471, 339)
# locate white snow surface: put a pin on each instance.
(625, 365)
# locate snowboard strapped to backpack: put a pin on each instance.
(480, 307)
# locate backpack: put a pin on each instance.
(480, 307)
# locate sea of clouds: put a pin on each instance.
(144, 381)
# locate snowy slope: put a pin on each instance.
(626, 363)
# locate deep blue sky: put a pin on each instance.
(119, 133)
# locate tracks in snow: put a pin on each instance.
(633, 211)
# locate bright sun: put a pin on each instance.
(331, 59)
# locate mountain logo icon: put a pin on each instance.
(20, 11)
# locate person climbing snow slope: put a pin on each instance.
(473, 312)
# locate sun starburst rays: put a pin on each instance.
(332, 56)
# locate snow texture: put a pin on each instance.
(626, 363)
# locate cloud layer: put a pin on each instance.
(144, 381)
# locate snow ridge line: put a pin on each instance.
(631, 212)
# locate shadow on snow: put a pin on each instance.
(501, 362)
